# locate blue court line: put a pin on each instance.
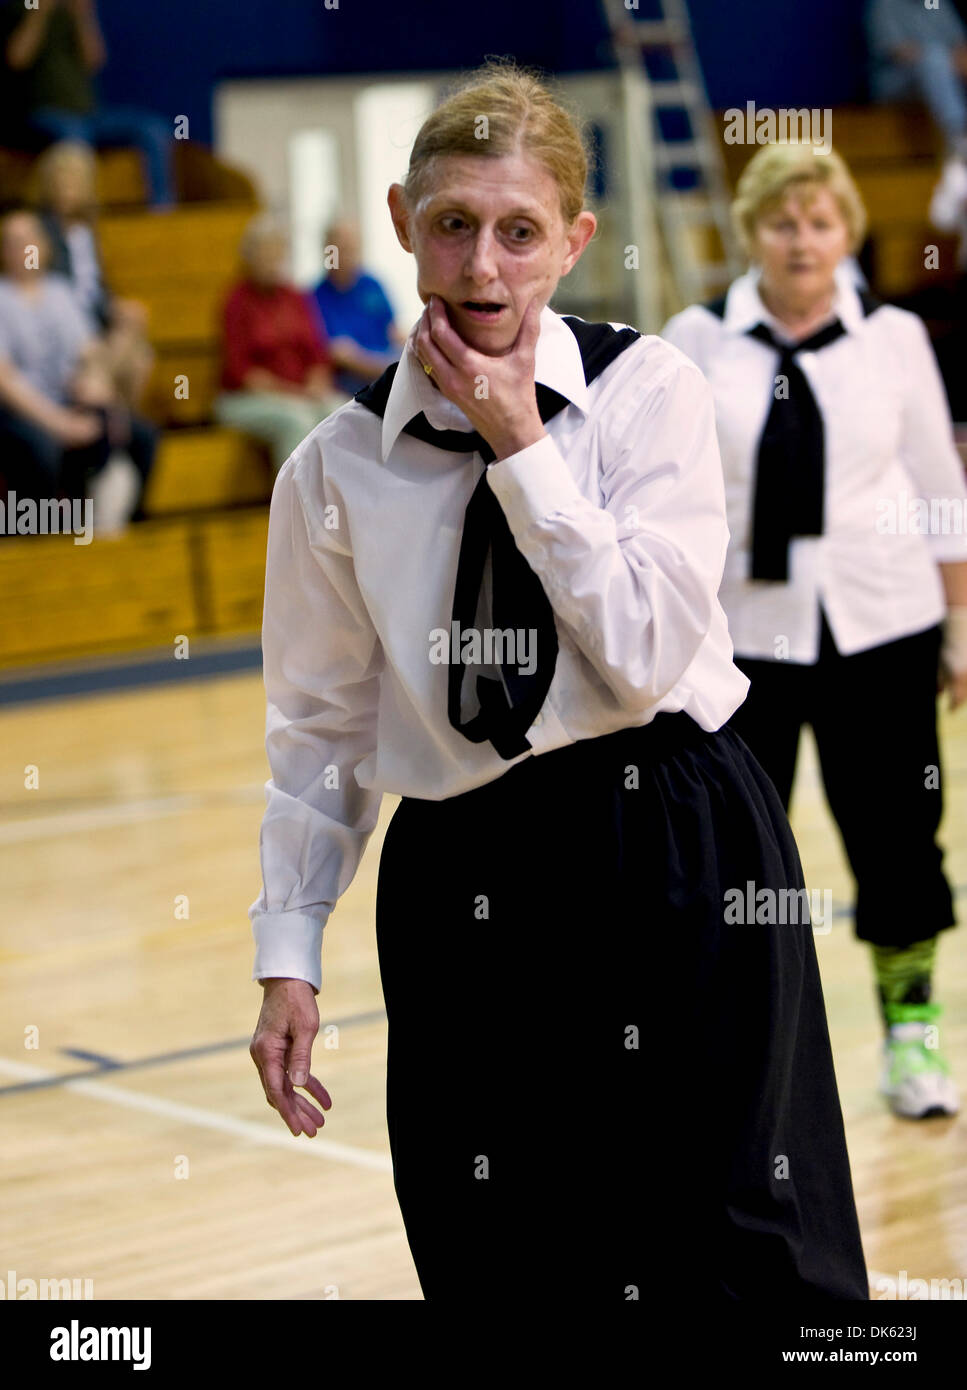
(125, 675)
(104, 1063)
(158, 1059)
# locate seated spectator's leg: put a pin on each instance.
(142, 447)
(30, 458)
(894, 82)
(61, 125)
(275, 419)
(78, 466)
(151, 134)
(942, 89)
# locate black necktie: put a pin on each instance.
(508, 707)
(519, 606)
(791, 466)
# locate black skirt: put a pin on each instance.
(600, 1084)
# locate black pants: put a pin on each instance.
(36, 465)
(874, 718)
(597, 1086)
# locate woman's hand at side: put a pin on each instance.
(281, 1049)
(956, 686)
(952, 676)
(75, 429)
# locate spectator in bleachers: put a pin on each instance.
(920, 52)
(948, 213)
(356, 314)
(277, 371)
(67, 203)
(60, 422)
(50, 56)
(948, 206)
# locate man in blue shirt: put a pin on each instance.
(917, 51)
(358, 317)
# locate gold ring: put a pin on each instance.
(427, 368)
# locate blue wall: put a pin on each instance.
(170, 53)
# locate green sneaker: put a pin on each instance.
(916, 1078)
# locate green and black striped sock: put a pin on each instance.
(904, 973)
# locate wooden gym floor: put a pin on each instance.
(158, 1171)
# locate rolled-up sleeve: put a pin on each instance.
(927, 446)
(322, 660)
(634, 581)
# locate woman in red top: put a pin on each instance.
(276, 373)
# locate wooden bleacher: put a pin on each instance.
(200, 177)
(206, 469)
(198, 577)
(196, 568)
(181, 265)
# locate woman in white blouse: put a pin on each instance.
(845, 583)
(561, 957)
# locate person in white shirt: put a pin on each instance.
(947, 302)
(948, 205)
(846, 579)
(562, 957)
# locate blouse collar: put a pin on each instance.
(557, 364)
(744, 308)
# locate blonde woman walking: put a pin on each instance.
(846, 604)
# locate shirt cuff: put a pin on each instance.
(533, 483)
(288, 945)
(947, 550)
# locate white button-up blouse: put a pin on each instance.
(895, 492)
(619, 509)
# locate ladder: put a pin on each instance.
(676, 185)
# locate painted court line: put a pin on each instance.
(119, 676)
(122, 813)
(209, 1119)
(102, 1063)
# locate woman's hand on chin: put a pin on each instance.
(495, 393)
